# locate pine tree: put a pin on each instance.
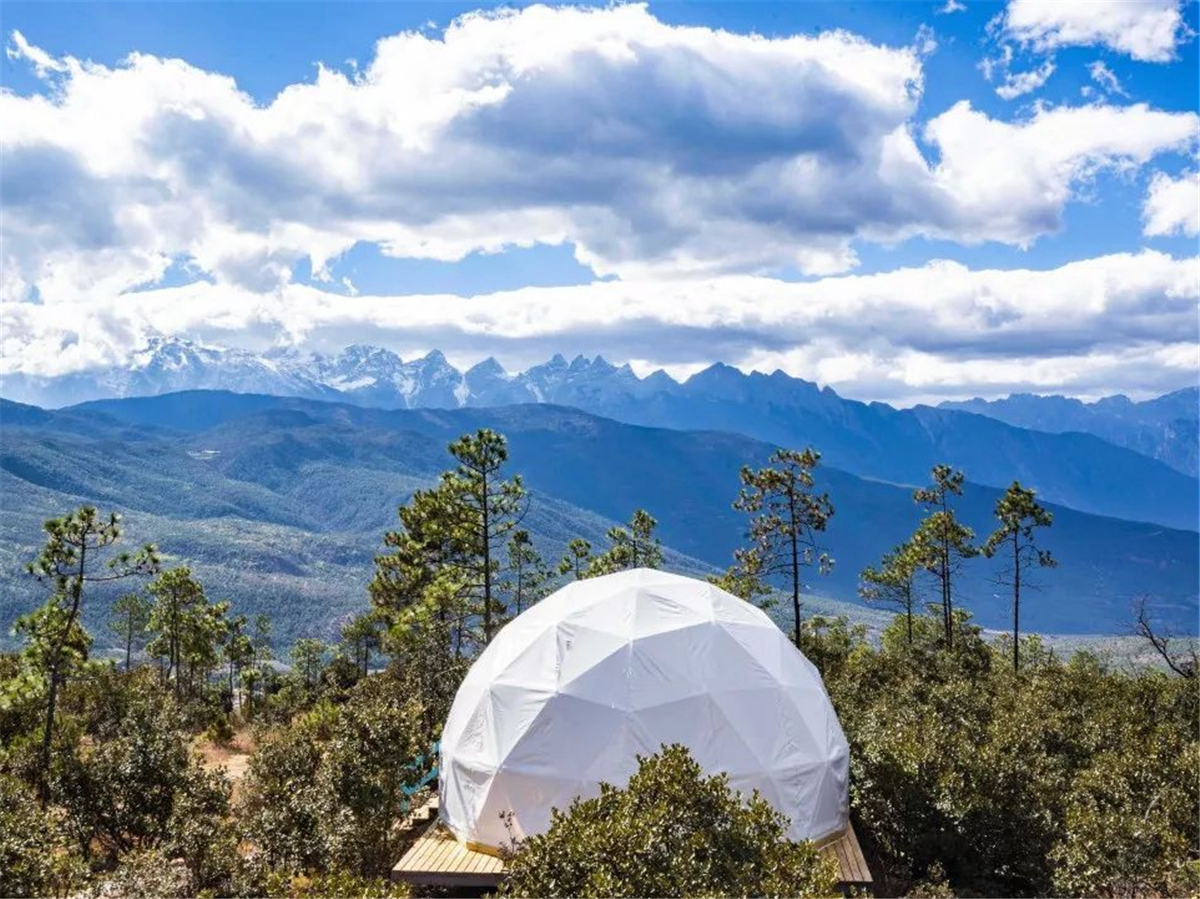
(894, 582)
(130, 617)
(630, 546)
(744, 579)
(527, 572)
(1014, 540)
(237, 650)
(451, 538)
(484, 508)
(178, 613)
(786, 516)
(941, 540)
(79, 550)
(577, 558)
(308, 658)
(362, 634)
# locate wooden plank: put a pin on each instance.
(441, 858)
(856, 849)
(438, 859)
(845, 851)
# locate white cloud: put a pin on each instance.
(1172, 205)
(925, 41)
(1147, 30)
(43, 63)
(655, 150)
(1106, 78)
(1124, 322)
(1009, 181)
(951, 6)
(1017, 84)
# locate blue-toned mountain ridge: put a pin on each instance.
(280, 503)
(1082, 470)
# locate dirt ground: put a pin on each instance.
(234, 757)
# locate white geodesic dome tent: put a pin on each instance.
(570, 692)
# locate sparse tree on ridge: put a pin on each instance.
(79, 550)
(486, 508)
(744, 579)
(943, 541)
(362, 634)
(1184, 661)
(632, 546)
(130, 616)
(576, 559)
(894, 583)
(786, 515)
(527, 573)
(1014, 541)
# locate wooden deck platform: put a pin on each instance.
(438, 859)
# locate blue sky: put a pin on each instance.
(791, 193)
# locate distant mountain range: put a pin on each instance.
(1142, 473)
(280, 503)
(1165, 428)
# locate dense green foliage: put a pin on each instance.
(670, 832)
(1064, 778)
(324, 790)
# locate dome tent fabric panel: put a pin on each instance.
(572, 690)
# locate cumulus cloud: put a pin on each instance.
(1122, 322)
(1172, 205)
(1146, 30)
(1009, 181)
(655, 150)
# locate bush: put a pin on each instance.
(33, 861)
(339, 885)
(281, 801)
(324, 793)
(671, 832)
(1067, 778)
(146, 874)
(362, 776)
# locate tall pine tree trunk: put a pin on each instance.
(795, 573)
(1016, 603)
(487, 566)
(56, 664)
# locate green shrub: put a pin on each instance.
(324, 792)
(33, 860)
(281, 808)
(670, 832)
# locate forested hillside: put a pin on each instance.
(280, 503)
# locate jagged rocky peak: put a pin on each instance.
(656, 378)
(717, 373)
(487, 368)
(361, 352)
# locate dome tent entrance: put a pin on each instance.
(569, 693)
